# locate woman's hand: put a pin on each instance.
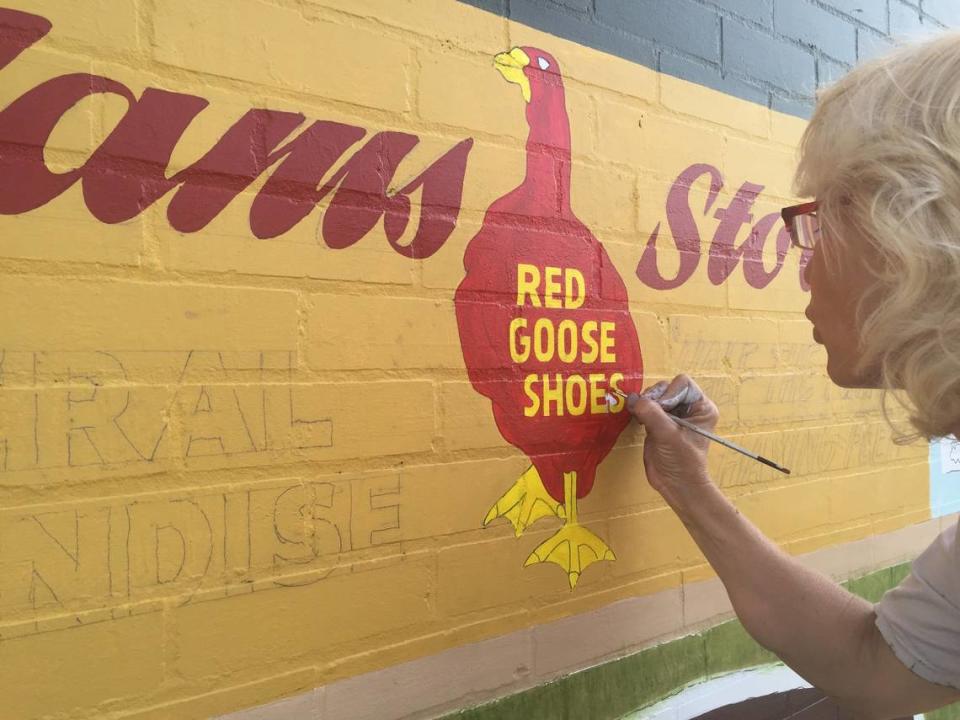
(675, 458)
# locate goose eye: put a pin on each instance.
(542, 63)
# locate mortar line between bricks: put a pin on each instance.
(213, 480)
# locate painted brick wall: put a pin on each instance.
(771, 52)
(240, 453)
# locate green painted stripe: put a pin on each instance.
(619, 687)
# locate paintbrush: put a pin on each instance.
(716, 438)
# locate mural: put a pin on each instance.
(296, 292)
(127, 172)
(543, 318)
(545, 328)
(723, 254)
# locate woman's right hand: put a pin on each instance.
(674, 457)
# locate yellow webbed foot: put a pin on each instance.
(574, 548)
(524, 503)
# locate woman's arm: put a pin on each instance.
(825, 633)
(822, 631)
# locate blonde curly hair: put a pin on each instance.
(882, 155)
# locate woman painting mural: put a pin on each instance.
(881, 157)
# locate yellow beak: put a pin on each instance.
(511, 66)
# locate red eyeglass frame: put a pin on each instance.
(790, 213)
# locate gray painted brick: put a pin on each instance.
(679, 24)
(829, 71)
(801, 107)
(495, 6)
(758, 11)
(813, 26)
(753, 49)
(946, 11)
(871, 44)
(751, 53)
(565, 23)
(578, 5)
(933, 22)
(704, 74)
(905, 21)
(869, 12)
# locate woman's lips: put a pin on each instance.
(816, 337)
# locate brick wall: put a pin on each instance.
(771, 52)
(241, 455)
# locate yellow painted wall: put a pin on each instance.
(235, 468)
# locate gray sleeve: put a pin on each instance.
(920, 618)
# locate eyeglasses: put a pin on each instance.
(802, 224)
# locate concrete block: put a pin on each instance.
(721, 344)
(656, 540)
(725, 109)
(495, 6)
(74, 314)
(104, 27)
(758, 11)
(868, 12)
(467, 418)
(705, 602)
(289, 44)
(682, 24)
(799, 107)
(582, 6)
(710, 76)
(751, 53)
(906, 22)
(490, 575)
(871, 44)
(782, 398)
(626, 625)
(94, 663)
(305, 706)
(444, 501)
(381, 332)
(455, 104)
(788, 511)
(438, 680)
(557, 20)
(481, 32)
(317, 617)
(815, 27)
(843, 561)
(829, 71)
(945, 11)
(904, 544)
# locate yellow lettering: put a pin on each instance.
(567, 340)
(552, 395)
(615, 380)
(519, 343)
(606, 342)
(551, 288)
(534, 406)
(543, 340)
(528, 280)
(589, 338)
(598, 396)
(574, 296)
(577, 407)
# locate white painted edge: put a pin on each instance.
(479, 672)
(726, 690)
